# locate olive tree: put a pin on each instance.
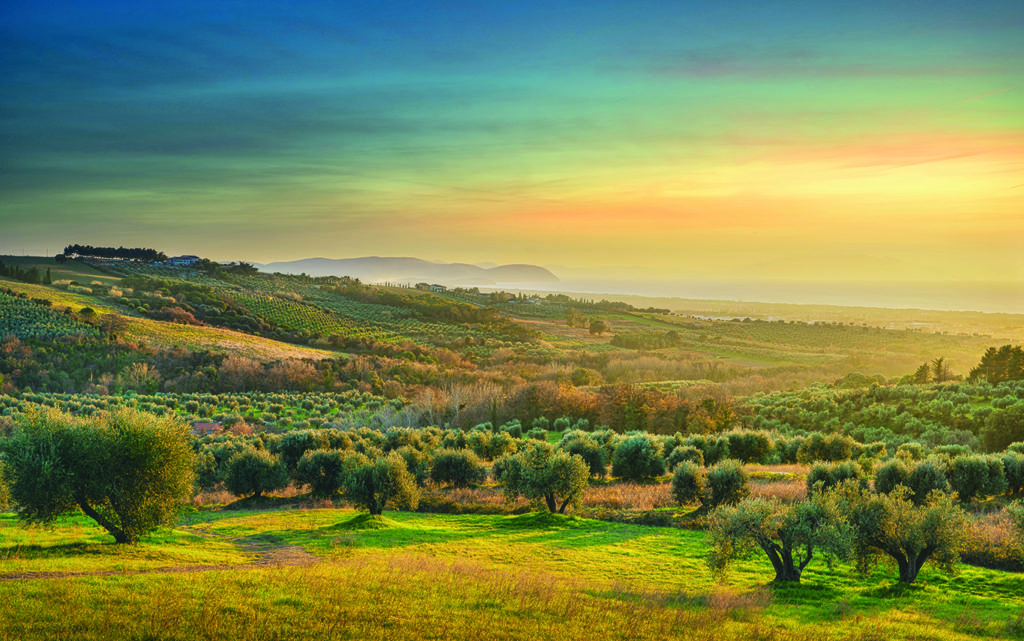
(638, 458)
(129, 471)
(458, 468)
(592, 452)
(1016, 513)
(727, 483)
(724, 484)
(689, 483)
(976, 477)
(324, 471)
(4, 493)
(544, 477)
(892, 525)
(921, 480)
(683, 454)
(251, 472)
(373, 485)
(832, 474)
(891, 475)
(788, 534)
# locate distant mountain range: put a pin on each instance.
(373, 269)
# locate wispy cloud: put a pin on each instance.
(991, 93)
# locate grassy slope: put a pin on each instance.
(421, 576)
(70, 270)
(168, 335)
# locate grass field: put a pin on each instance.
(328, 574)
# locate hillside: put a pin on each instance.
(411, 270)
(460, 356)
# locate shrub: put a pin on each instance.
(728, 483)
(500, 445)
(832, 474)
(1015, 512)
(689, 483)
(513, 429)
(458, 468)
(910, 452)
(252, 472)
(684, 453)
(561, 424)
(952, 451)
(324, 470)
(372, 486)
(129, 471)
(888, 476)
(537, 434)
(638, 458)
(479, 442)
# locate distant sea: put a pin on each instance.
(954, 296)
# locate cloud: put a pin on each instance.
(740, 59)
(991, 93)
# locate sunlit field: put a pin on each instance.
(330, 573)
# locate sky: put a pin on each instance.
(738, 141)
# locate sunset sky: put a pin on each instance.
(878, 141)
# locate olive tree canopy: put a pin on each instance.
(129, 471)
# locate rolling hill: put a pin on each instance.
(401, 269)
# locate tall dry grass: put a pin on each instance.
(629, 496)
(400, 596)
(787, 490)
(992, 542)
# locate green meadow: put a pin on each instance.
(334, 574)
